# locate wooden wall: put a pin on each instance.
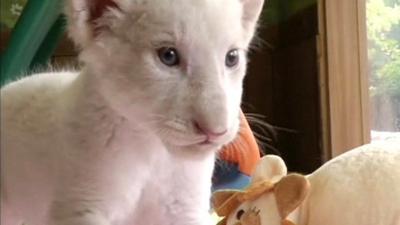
(282, 84)
(312, 78)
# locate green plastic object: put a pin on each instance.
(33, 39)
(49, 44)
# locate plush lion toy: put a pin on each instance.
(244, 207)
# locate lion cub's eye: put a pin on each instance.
(239, 214)
(169, 56)
(232, 58)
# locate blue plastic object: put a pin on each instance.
(228, 176)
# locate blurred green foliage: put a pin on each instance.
(10, 11)
(277, 11)
(383, 24)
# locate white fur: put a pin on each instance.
(115, 143)
(360, 187)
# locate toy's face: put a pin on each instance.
(262, 211)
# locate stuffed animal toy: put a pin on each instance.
(360, 187)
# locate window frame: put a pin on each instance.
(343, 61)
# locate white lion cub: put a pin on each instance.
(131, 139)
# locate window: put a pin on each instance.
(383, 28)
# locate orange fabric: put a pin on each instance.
(244, 150)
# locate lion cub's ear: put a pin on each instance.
(83, 16)
(290, 192)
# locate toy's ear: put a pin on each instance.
(223, 221)
(287, 222)
(83, 16)
(224, 202)
(220, 197)
(290, 192)
(270, 168)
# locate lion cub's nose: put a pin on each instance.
(211, 133)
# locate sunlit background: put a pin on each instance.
(383, 25)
